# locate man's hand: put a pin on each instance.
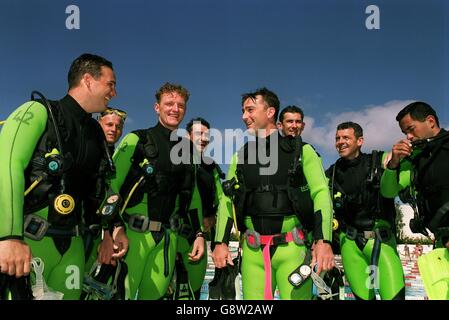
(400, 150)
(120, 242)
(198, 249)
(106, 249)
(323, 256)
(221, 256)
(15, 257)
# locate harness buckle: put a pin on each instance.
(369, 234)
(252, 239)
(298, 236)
(351, 233)
(35, 227)
(154, 225)
(138, 223)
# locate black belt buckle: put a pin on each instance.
(138, 223)
(35, 227)
(351, 233)
(279, 239)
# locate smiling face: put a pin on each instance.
(256, 114)
(292, 124)
(102, 89)
(112, 126)
(171, 109)
(199, 136)
(347, 145)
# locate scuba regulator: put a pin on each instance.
(56, 163)
(230, 187)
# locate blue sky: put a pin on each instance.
(315, 54)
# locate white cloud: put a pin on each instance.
(380, 128)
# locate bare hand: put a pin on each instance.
(15, 257)
(400, 150)
(106, 249)
(198, 249)
(121, 242)
(221, 256)
(323, 256)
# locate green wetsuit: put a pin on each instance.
(150, 257)
(361, 208)
(284, 257)
(426, 172)
(24, 140)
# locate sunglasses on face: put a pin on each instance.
(118, 112)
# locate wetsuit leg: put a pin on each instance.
(62, 273)
(196, 270)
(356, 266)
(390, 271)
(283, 263)
(145, 260)
(253, 273)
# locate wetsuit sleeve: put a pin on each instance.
(224, 213)
(319, 192)
(18, 139)
(122, 160)
(393, 181)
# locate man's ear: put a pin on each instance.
(157, 108)
(270, 112)
(86, 80)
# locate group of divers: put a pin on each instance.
(81, 219)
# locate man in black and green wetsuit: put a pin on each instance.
(366, 219)
(274, 238)
(54, 155)
(421, 162)
(208, 178)
(156, 187)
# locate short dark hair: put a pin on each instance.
(418, 111)
(196, 120)
(358, 131)
(270, 98)
(291, 109)
(86, 63)
(172, 87)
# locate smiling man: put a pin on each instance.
(52, 178)
(157, 193)
(267, 207)
(367, 233)
(291, 121)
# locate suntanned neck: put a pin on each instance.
(268, 130)
(353, 156)
(81, 99)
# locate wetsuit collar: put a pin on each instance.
(75, 109)
(165, 131)
(351, 163)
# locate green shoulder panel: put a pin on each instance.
(225, 211)
(319, 188)
(18, 139)
(122, 160)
